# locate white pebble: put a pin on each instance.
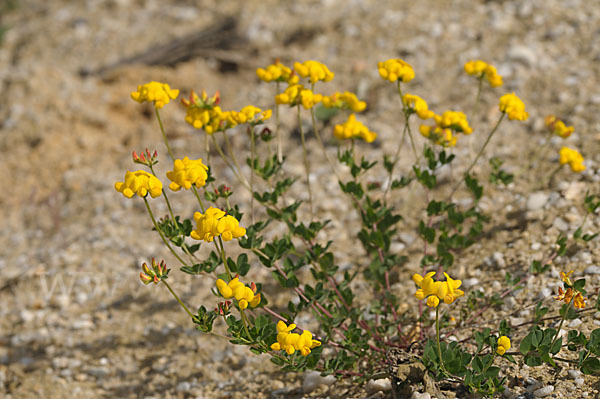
(313, 379)
(547, 390)
(417, 395)
(574, 374)
(575, 323)
(592, 270)
(579, 381)
(382, 384)
(537, 201)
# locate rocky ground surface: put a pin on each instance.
(76, 322)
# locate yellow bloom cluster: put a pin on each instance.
(454, 120)
(512, 105)
(558, 127)
(141, 183)
(503, 345)
(297, 94)
(314, 70)
(155, 274)
(344, 100)
(187, 172)
(417, 105)
(435, 291)
(571, 294)
(249, 114)
(353, 129)
(204, 113)
(396, 69)
(214, 223)
(292, 342)
(438, 135)
(277, 72)
(573, 158)
(158, 93)
(482, 69)
(236, 289)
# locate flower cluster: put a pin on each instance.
(512, 106)
(353, 129)
(345, 100)
(291, 342)
(204, 113)
(438, 135)
(482, 69)
(298, 94)
(158, 93)
(571, 294)
(396, 69)
(435, 291)
(572, 157)
(314, 70)
(277, 72)
(446, 127)
(415, 104)
(141, 183)
(236, 289)
(154, 275)
(187, 172)
(249, 114)
(558, 127)
(213, 223)
(503, 345)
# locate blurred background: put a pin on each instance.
(75, 320)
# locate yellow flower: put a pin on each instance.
(297, 94)
(573, 158)
(187, 172)
(314, 70)
(438, 135)
(236, 289)
(214, 223)
(344, 100)
(353, 129)
(512, 105)
(155, 274)
(249, 114)
(503, 345)
(396, 69)
(292, 342)
(204, 113)
(141, 183)
(558, 127)
(565, 277)
(565, 295)
(158, 93)
(448, 290)
(579, 301)
(277, 72)
(454, 120)
(417, 105)
(482, 69)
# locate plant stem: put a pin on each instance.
(162, 129)
(406, 118)
(224, 157)
(562, 320)
(489, 137)
(437, 336)
(178, 300)
(395, 161)
(198, 197)
(277, 132)
(223, 256)
(233, 157)
(161, 234)
(306, 164)
(166, 198)
(245, 322)
(252, 157)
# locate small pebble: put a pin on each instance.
(547, 390)
(579, 381)
(575, 323)
(417, 395)
(574, 374)
(537, 201)
(592, 269)
(313, 379)
(383, 384)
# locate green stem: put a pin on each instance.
(161, 234)
(437, 337)
(252, 156)
(233, 157)
(166, 198)
(562, 320)
(245, 322)
(306, 164)
(554, 172)
(406, 118)
(489, 137)
(394, 162)
(198, 197)
(224, 157)
(178, 300)
(162, 129)
(223, 257)
(277, 132)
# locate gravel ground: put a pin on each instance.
(77, 323)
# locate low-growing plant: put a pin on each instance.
(355, 328)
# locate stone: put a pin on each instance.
(560, 224)
(313, 379)
(592, 269)
(537, 201)
(547, 390)
(382, 384)
(418, 395)
(574, 374)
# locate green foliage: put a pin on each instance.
(497, 175)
